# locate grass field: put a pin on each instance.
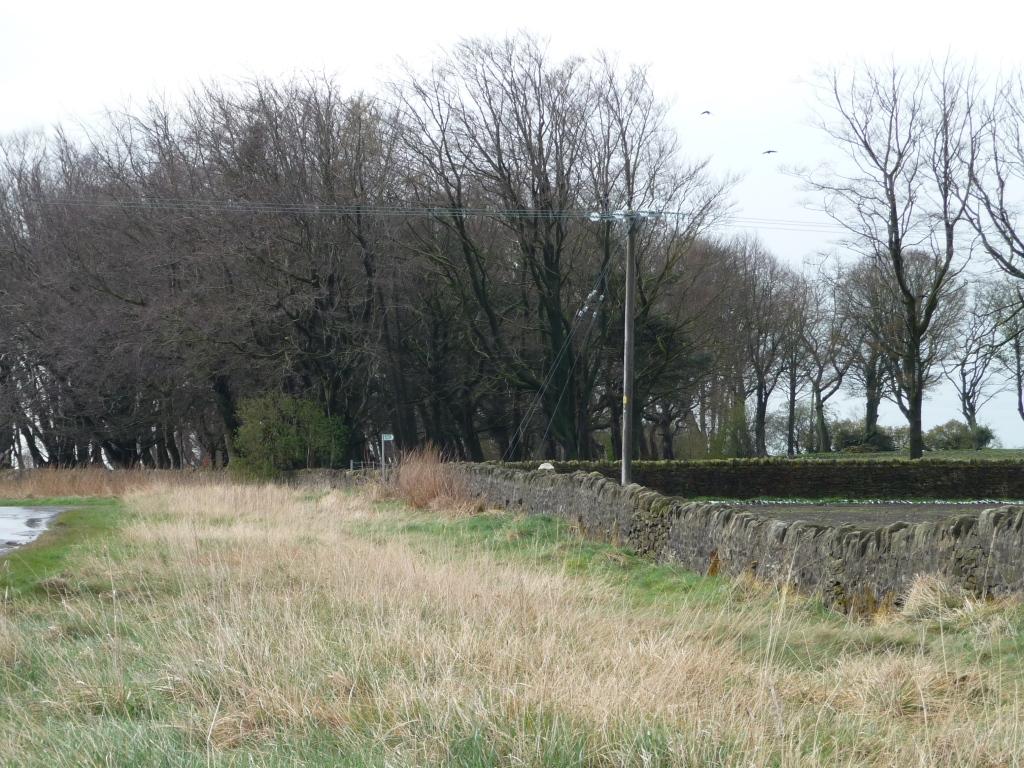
(221, 625)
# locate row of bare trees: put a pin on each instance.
(932, 161)
(421, 262)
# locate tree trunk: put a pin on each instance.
(144, 456)
(791, 414)
(735, 426)
(970, 413)
(873, 398)
(172, 448)
(163, 458)
(913, 376)
(821, 433)
(616, 430)
(584, 431)
(760, 417)
(33, 448)
(665, 430)
(1018, 373)
(914, 421)
(96, 455)
(403, 415)
(119, 454)
(467, 424)
(640, 450)
(228, 413)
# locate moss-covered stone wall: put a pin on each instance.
(852, 568)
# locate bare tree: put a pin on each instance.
(971, 365)
(997, 173)
(906, 135)
(830, 340)
(764, 308)
(874, 301)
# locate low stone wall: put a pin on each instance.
(819, 478)
(853, 569)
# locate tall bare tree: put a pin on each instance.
(829, 339)
(764, 308)
(906, 135)
(875, 303)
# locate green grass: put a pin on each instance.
(75, 531)
(544, 541)
(816, 639)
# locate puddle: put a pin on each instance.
(20, 525)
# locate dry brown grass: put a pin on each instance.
(933, 597)
(424, 480)
(90, 481)
(239, 617)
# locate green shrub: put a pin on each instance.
(957, 435)
(846, 433)
(848, 436)
(279, 433)
(882, 439)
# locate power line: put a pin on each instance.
(350, 209)
(200, 205)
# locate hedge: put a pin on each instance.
(821, 479)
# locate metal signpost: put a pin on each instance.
(385, 437)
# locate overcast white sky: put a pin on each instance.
(750, 63)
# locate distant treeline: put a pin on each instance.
(424, 261)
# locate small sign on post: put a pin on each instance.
(385, 437)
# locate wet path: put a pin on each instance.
(20, 525)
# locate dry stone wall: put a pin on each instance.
(852, 568)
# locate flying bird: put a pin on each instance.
(706, 112)
(770, 152)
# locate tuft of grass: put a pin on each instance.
(423, 480)
(932, 597)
